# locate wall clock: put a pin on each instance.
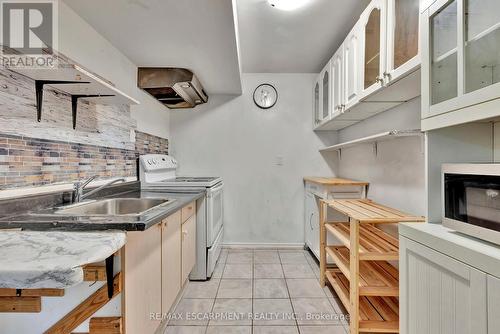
(265, 96)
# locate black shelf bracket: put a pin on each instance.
(109, 274)
(74, 104)
(39, 92)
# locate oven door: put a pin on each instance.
(214, 212)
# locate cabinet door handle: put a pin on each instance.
(310, 221)
(379, 79)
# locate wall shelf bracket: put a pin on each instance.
(39, 92)
(74, 104)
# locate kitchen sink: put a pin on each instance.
(113, 207)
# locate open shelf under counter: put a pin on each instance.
(376, 314)
(376, 278)
(383, 136)
(374, 244)
(91, 84)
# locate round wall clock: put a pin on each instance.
(265, 96)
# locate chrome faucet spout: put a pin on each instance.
(78, 188)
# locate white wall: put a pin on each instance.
(397, 173)
(82, 43)
(233, 138)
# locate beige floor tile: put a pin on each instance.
(187, 307)
(275, 330)
(273, 312)
(292, 257)
(315, 311)
(229, 330)
(298, 270)
(240, 257)
(268, 270)
(237, 271)
(206, 289)
(185, 330)
(235, 288)
(266, 256)
(322, 330)
(270, 288)
(219, 270)
(305, 288)
(232, 312)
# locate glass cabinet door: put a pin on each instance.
(444, 68)
(337, 81)
(372, 48)
(405, 31)
(326, 94)
(481, 43)
(316, 104)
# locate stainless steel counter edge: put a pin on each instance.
(34, 222)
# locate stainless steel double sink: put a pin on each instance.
(113, 207)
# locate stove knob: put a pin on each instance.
(149, 162)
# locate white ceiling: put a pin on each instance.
(196, 34)
(299, 41)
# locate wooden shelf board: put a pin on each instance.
(96, 85)
(31, 292)
(374, 244)
(377, 314)
(376, 278)
(388, 135)
(367, 211)
(334, 181)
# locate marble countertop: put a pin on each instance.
(47, 221)
(35, 260)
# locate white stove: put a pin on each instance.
(157, 172)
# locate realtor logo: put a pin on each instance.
(29, 33)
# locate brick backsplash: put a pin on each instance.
(27, 161)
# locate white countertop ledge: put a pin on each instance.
(36, 260)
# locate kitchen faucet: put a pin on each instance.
(79, 186)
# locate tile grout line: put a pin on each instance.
(288, 290)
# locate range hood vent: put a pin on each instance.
(174, 87)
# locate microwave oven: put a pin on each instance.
(471, 199)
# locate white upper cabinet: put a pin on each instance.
(326, 99)
(316, 106)
(337, 72)
(373, 45)
(375, 68)
(403, 52)
(351, 68)
(461, 54)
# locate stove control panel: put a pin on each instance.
(151, 162)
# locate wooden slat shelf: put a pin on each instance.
(367, 211)
(376, 278)
(366, 283)
(374, 244)
(376, 314)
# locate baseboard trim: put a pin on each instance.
(263, 245)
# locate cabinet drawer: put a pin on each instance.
(188, 211)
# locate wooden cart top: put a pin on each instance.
(367, 211)
(334, 181)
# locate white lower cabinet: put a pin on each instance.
(312, 223)
(493, 304)
(441, 295)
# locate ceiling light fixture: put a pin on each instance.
(287, 4)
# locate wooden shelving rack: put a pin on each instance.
(366, 283)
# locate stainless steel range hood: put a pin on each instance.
(174, 87)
